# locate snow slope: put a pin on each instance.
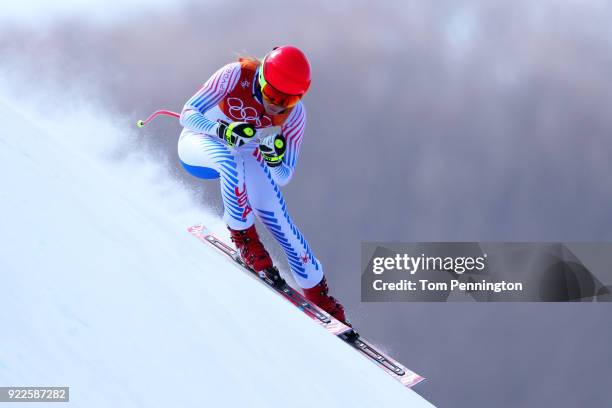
(103, 290)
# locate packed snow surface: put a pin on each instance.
(103, 289)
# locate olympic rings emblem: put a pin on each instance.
(239, 112)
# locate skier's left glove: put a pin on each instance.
(273, 149)
(236, 133)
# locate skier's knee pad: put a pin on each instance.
(193, 157)
(201, 172)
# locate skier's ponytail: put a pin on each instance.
(247, 58)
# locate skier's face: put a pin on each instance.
(275, 101)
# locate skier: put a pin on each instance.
(245, 127)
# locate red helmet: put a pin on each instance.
(287, 69)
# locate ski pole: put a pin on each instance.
(140, 123)
(263, 133)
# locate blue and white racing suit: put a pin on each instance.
(248, 185)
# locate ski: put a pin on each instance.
(272, 279)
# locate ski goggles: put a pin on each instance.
(275, 97)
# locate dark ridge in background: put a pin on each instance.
(427, 121)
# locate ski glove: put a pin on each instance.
(272, 149)
(236, 133)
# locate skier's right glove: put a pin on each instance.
(236, 133)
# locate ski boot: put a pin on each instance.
(252, 251)
(318, 295)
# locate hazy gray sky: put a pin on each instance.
(447, 120)
(100, 11)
